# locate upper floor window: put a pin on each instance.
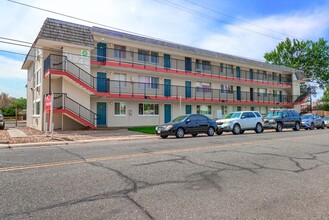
(120, 80)
(226, 88)
(154, 57)
(143, 55)
(119, 51)
(202, 87)
(148, 82)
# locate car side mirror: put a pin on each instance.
(243, 117)
(187, 121)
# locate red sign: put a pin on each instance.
(48, 102)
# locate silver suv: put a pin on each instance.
(2, 121)
(238, 122)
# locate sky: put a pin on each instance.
(236, 27)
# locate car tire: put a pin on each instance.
(297, 126)
(312, 126)
(306, 128)
(323, 126)
(278, 127)
(236, 129)
(219, 132)
(210, 131)
(180, 133)
(259, 128)
(163, 136)
(194, 135)
(242, 131)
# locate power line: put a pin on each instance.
(238, 19)
(177, 6)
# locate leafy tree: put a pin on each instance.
(4, 100)
(310, 57)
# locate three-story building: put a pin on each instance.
(101, 77)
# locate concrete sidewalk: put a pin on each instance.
(16, 133)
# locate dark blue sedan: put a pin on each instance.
(187, 124)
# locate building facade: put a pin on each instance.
(105, 78)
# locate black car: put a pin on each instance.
(2, 121)
(282, 118)
(187, 124)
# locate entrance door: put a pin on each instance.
(188, 89)
(101, 52)
(280, 96)
(252, 94)
(238, 75)
(188, 64)
(167, 87)
(238, 93)
(166, 63)
(188, 109)
(167, 113)
(251, 74)
(101, 112)
(101, 82)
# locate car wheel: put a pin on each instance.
(297, 126)
(306, 128)
(211, 131)
(323, 126)
(236, 129)
(164, 136)
(279, 127)
(259, 128)
(312, 126)
(242, 131)
(180, 133)
(219, 132)
(194, 135)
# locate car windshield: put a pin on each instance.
(326, 118)
(307, 117)
(273, 115)
(179, 118)
(233, 115)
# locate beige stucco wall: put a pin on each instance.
(75, 55)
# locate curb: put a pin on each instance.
(55, 143)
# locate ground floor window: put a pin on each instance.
(120, 108)
(36, 108)
(148, 109)
(203, 109)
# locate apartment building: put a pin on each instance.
(106, 78)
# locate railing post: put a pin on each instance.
(132, 89)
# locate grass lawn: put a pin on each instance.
(146, 130)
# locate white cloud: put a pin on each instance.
(236, 40)
(11, 69)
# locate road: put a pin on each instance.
(252, 176)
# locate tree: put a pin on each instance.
(310, 57)
(4, 100)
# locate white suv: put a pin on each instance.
(238, 122)
(2, 121)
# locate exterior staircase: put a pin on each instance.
(65, 105)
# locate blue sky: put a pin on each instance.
(237, 27)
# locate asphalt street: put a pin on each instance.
(251, 176)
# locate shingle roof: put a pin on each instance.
(66, 32)
(195, 50)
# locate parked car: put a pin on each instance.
(2, 121)
(326, 120)
(282, 118)
(238, 122)
(311, 121)
(187, 124)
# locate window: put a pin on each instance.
(148, 82)
(226, 88)
(206, 65)
(224, 110)
(120, 80)
(38, 77)
(154, 57)
(119, 51)
(198, 65)
(203, 109)
(275, 93)
(203, 87)
(36, 108)
(143, 55)
(120, 108)
(148, 109)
